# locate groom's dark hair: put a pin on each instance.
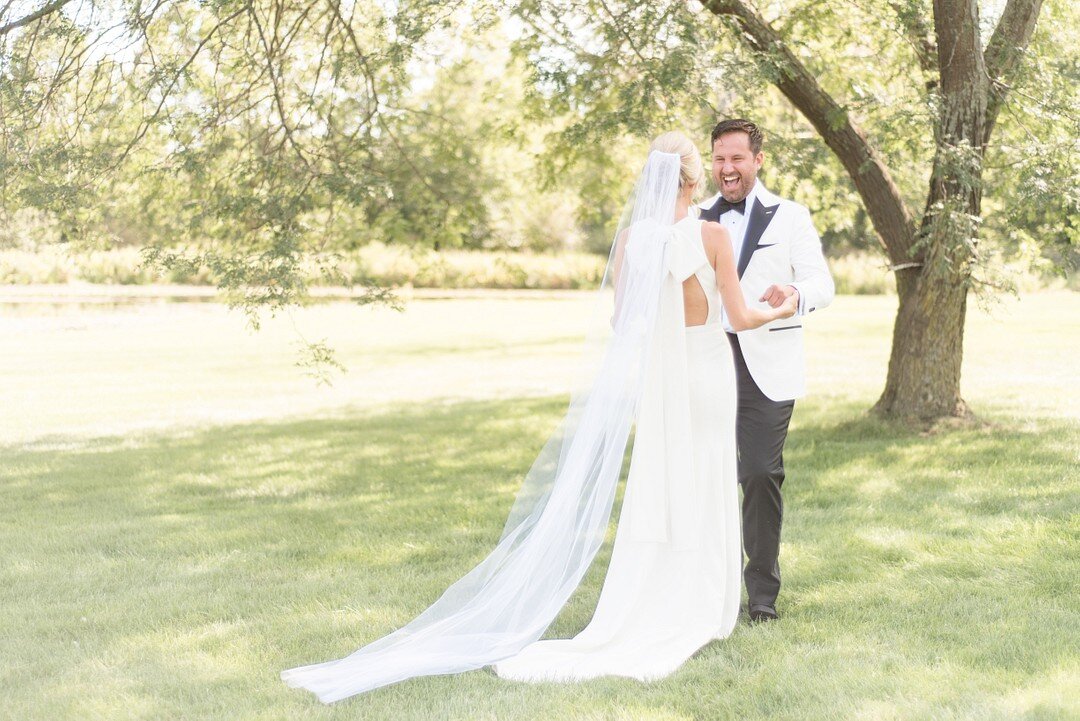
(740, 125)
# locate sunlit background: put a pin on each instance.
(292, 293)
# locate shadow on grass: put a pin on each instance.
(219, 557)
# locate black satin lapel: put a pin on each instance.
(712, 213)
(760, 217)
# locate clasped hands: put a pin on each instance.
(782, 296)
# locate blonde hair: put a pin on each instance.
(692, 171)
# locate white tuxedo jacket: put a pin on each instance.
(780, 246)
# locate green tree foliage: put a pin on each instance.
(249, 136)
(1032, 200)
(635, 69)
(905, 96)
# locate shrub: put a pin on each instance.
(392, 266)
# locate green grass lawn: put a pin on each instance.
(184, 515)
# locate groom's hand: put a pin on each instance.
(775, 295)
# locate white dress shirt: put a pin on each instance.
(736, 223)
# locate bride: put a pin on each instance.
(659, 362)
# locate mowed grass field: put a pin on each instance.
(183, 514)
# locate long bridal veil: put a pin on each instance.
(560, 514)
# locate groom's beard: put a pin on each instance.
(734, 192)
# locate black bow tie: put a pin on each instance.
(724, 206)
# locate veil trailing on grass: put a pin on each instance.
(560, 515)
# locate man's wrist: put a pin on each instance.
(798, 299)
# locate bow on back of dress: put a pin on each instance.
(661, 478)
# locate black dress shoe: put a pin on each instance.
(761, 613)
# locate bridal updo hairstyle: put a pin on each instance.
(692, 171)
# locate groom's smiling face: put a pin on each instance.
(735, 165)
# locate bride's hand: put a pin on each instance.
(789, 307)
(783, 298)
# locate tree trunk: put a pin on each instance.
(927, 349)
(928, 336)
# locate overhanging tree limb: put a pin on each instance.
(36, 15)
(884, 204)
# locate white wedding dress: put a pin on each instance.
(673, 583)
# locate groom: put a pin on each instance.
(775, 242)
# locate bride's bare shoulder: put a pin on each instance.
(712, 230)
(713, 234)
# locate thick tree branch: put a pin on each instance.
(960, 64)
(884, 204)
(957, 173)
(36, 15)
(1004, 53)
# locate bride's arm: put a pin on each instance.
(616, 270)
(741, 316)
(620, 252)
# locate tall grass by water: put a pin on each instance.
(860, 273)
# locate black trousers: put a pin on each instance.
(761, 428)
